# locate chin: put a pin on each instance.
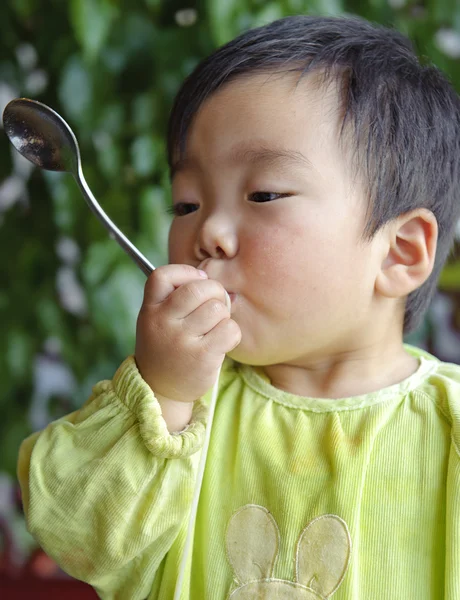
(242, 356)
(252, 357)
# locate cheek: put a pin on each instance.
(178, 244)
(295, 267)
(278, 262)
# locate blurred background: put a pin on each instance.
(69, 296)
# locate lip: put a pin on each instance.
(233, 300)
(203, 265)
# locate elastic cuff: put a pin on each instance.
(181, 431)
(137, 395)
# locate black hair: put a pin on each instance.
(403, 116)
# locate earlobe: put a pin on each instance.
(410, 254)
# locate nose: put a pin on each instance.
(217, 238)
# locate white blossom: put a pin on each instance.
(51, 378)
(12, 190)
(70, 291)
(36, 82)
(186, 17)
(448, 41)
(26, 56)
(397, 3)
(7, 93)
(68, 250)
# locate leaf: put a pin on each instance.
(269, 13)
(322, 7)
(99, 261)
(75, 89)
(10, 440)
(64, 209)
(91, 21)
(442, 11)
(24, 8)
(153, 3)
(19, 351)
(109, 157)
(145, 154)
(222, 19)
(450, 277)
(112, 118)
(144, 111)
(154, 218)
(116, 304)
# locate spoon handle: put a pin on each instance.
(145, 266)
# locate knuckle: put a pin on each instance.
(202, 351)
(189, 349)
(216, 307)
(183, 269)
(195, 290)
(144, 315)
(234, 330)
(150, 282)
(160, 274)
(190, 270)
(153, 284)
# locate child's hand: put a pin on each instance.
(184, 330)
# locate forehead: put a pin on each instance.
(279, 112)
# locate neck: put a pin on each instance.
(344, 374)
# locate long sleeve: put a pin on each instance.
(453, 526)
(107, 489)
(449, 403)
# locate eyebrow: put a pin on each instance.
(254, 155)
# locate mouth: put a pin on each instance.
(232, 297)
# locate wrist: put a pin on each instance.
(176, 414)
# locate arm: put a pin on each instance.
(107, 488)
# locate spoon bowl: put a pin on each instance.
(42, 136)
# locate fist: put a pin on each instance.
(184, 329)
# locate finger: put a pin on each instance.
(165, 279)
(224, 337)
(202, 320)
(190, 296)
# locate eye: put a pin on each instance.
(265, 196)
(181, 209)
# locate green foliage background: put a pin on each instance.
(111, 69)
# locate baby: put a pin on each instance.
(315, 168)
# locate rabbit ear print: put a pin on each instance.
(252, 543)
(323, 554)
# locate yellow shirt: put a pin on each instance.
(302, 498)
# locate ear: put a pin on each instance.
(410, 253)
(323, 554)
(252, 543)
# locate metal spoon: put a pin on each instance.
(43, 137)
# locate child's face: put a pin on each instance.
(271, 205)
